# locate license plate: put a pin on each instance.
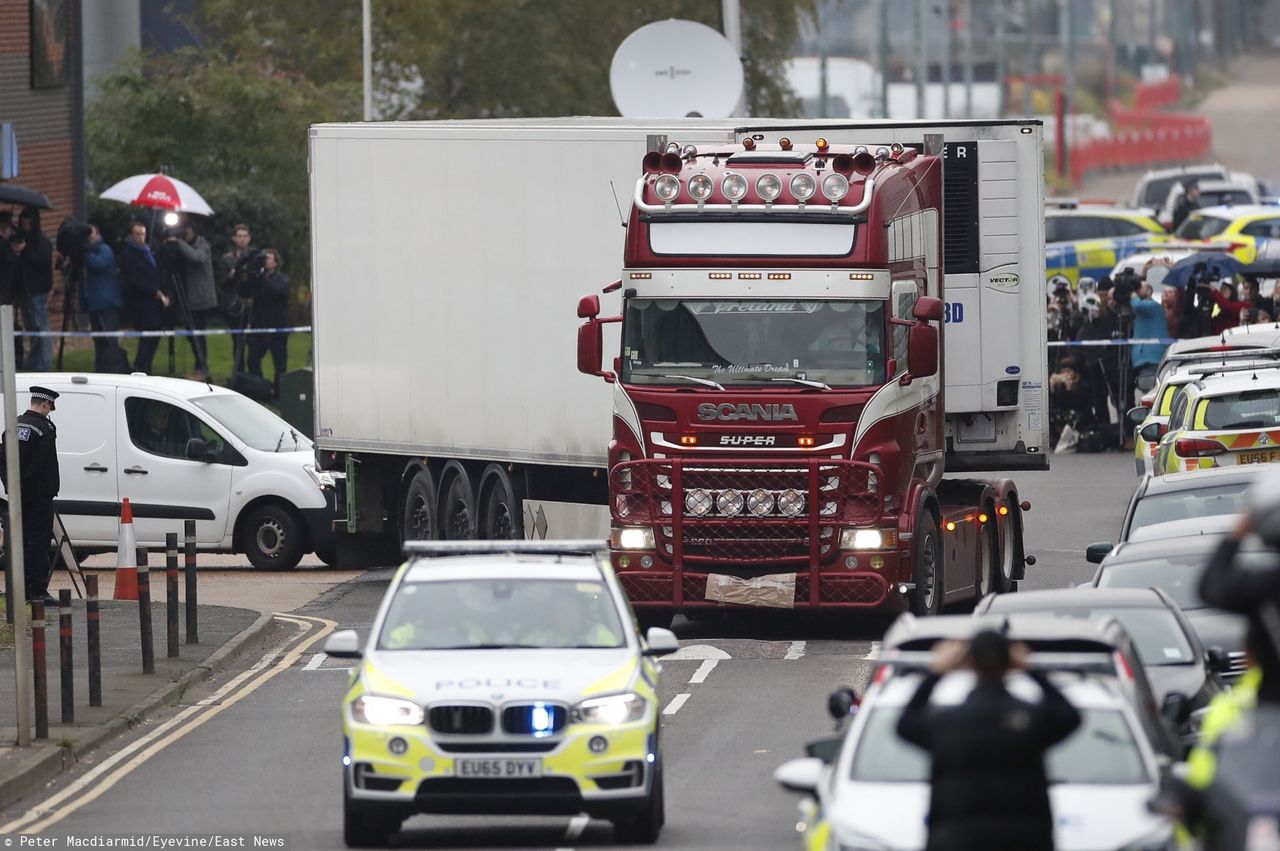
(494, 768)
(1263, 457)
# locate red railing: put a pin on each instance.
(1143, 137)
(1157, 95)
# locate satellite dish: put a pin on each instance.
(671, 69)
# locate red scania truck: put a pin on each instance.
(781, 376)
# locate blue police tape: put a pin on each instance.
(176, 332)
(1145, 341)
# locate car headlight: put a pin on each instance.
(861, 539)
(384, 711)
(322, 478)
(610, 709)
(632, 538)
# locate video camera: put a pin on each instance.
(73, 239)
(249, 272)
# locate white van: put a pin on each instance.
(184, 450)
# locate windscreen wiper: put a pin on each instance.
(707, 381)
(805, 381)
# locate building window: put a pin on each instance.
(50, 60)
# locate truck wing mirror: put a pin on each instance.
(589, 306)
(922, 349)
(590, 346)
(927, 309)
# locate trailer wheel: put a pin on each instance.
(418, 522)
(500, 511)
(457, 504)
(988, 559)
(1010, 525)
(926, 570)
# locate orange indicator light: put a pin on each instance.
(688, 440)
(951, 525)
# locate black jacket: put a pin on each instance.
(1181, 210)
(271, 301)
(988, 784)
(37, 264)
(140, 280)
(37, 457)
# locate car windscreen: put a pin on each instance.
(671, 341)
(475, 614)
(1101, 751)
(1178, 576)
(257, 426)
(1189, 504)
(1250, 409)
(1202, 227)
(1156, 632)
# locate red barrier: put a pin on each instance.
(1143, 136)
(1156, 95)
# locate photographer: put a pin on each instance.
(197, 288)
(270, 292)
(1063, 321)
(103, 301)
(1071, 405)
(1229, 308)
(145, 300)
(232, 277)
(1101, 363)
(37, 265)
(1196, 316)
(1148, 324)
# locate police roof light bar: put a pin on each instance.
(1100, 662)
(445, 549)
(1239, 367)
(1216, 353)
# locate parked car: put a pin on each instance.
(1213, 193)
(1179, 497)
(185, 450)
(1073, 223)
(1226, 419)
(1242, 226)
(875, 793)
(1152, 189)
(1175, 564)
(1183, 672)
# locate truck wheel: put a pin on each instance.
(418, 522)
(364, 829)
(457, 504)
(1010, 527)
(273, 538)
(500, 512)
(926, 569)
(988, 559)
(642, 828)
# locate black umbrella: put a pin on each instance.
(12, 193)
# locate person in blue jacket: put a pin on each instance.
(102, 300)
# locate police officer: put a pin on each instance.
(38, 467)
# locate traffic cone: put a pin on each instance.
(126, 556)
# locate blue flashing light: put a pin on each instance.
(650, 757)
(542, 720)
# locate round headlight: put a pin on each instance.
(734, 187)
(666, 187)
(760, 502)
(769, 187)
(700, 187)
(791, 502)
(729, 503)
(697, 502)
(803, 186)
(834, 186)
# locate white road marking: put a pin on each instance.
(697, 653)
(676, 702)
(577, 824)
(704, 670)
(796, 650)
(874, 652)
(315, 662)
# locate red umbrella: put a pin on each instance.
(158, 191)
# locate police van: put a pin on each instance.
(184, 450)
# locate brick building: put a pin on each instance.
(42, 97)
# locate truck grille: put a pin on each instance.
(746, 513)
(461, 720)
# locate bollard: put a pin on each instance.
(144, 614)
(189, 528)
(64, 657)
(39, 667)
(171, 591)
(95, 643)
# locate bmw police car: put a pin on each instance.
(1088, 241)
(1221, 419)
(505, 678)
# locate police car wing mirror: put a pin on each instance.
(1095, 553)
(1146, 382)
(800, 775)
(198, 449)
(1152, 432)
(841, 703)
(660, 642)
(343, 644)
(1137, 415)
(922, 350)
(927, 309)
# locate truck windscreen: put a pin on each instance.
(672, 341)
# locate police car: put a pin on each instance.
(502, 677)
(1244, 227)
(1228, 417)
(1088, 241)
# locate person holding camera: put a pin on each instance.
(1101, 363)
(270, 290)
(232, 273)
(197, 288)
(102, 300)
(37, 264)
(145, 300)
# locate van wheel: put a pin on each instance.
(926, 570)
(273, 538)
(419, 520)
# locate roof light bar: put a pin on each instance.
(445, 549)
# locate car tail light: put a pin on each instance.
(1192, 447)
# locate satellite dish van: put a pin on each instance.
(674, 69)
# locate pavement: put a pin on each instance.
(234, 619)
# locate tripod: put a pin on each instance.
(72, 298)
